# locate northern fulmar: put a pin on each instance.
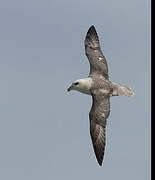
(98, 85)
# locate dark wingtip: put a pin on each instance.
(92, 30)
(92, 38)
(99, 157)
(92, 27)
(100, 163)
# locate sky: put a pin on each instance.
(44, 130)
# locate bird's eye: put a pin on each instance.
(76, 83)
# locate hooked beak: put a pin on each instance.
(70, 88)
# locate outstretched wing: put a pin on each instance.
(98, 64)
(99, 113)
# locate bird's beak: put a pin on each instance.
(70, 88)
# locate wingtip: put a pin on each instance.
(92, 26)
(92, 37)
(100, 163)
(99, 159)
(92, 29)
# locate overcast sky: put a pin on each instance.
(44, 130)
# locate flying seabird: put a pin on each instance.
(98, 85)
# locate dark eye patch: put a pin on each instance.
(76, 83)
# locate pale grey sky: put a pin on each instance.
(44, 130)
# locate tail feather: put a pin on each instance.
(121, 90)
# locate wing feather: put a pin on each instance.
(98, 64)
(98, 117)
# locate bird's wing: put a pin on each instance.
(98, 114)
(98, 64)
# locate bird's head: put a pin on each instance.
(82, 85)
(76, 85)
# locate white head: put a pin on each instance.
(82, 85)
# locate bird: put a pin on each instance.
(98, 85)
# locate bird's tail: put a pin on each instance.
(121, 90)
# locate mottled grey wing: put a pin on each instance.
(99, 113)
(98, 64)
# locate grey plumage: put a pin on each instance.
(98, 118)
(98, 64)
(101, 89)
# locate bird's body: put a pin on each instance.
(101, 89)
